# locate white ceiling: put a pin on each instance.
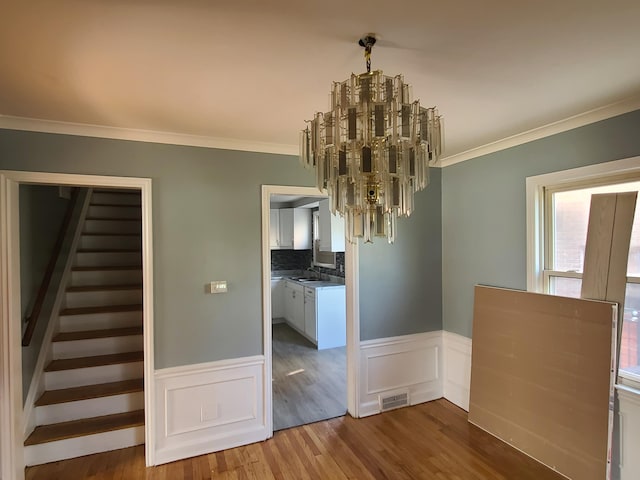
(253, 71)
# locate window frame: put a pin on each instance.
(539, 191)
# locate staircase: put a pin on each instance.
(94, 399)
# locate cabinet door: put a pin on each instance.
(330, 229)
(277, 298)
(302, 229)
(310, 315)
(298, 308)
(288, 303)
(274, 228)
(286, 228)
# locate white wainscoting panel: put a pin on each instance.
(629, 401)
(457, 368)
(209, 407)
(409, 363)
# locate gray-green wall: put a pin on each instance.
(483, 214)
(206, 226)
(401, 284)
(41, 214)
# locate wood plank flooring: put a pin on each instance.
(308, 384)
(428, 441)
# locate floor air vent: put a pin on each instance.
(394, 401)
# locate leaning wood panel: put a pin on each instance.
(541, 376)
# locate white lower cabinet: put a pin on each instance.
(318, 313)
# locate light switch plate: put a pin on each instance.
(219, 286)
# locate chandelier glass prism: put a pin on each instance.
(371, 152)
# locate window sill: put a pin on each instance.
(629, 393)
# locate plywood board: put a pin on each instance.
(541, 376)
(607, 249)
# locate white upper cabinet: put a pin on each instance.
(331, 229)
(290, 229)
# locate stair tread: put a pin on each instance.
(101, 288)
(110, 234)
(109, 268)
(101, 309)
(91, 334)
(108, 250)
(116, 191)
(64, 395)
(113, 219)
(93, 361)
(87, 426)
(100, 204)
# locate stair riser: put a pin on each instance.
(111, 226)
(93, 375)
(100, 321)
(103, 297)
(115, 212)
(106, 277)
(109, 259)
(97, 346)
(115, 198)
(93, 407)
(79, 446)
(109, 241)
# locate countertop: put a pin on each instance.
(307, 280)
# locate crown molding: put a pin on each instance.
(85, 130)
(602, 113)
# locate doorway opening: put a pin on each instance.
(14, 416)
(310, 324)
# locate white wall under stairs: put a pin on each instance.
(91, 395)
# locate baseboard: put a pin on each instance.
(457, 368)
(408, 363)
(209, 407)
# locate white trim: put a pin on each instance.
(207, 367)
(37, 381)
(535, 207)
(137, 135)
(597, 114)
(351, 277)
(409, 364)
(209, 407)
(457, 369)
(352, 273)
(11, 438)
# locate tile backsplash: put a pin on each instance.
(290, 259)
(301, 260)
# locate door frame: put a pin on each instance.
(352, 302)
(11, 403)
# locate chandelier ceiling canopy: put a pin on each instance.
(371, 151)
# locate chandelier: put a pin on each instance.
(371, 151)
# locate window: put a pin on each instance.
(558, 215)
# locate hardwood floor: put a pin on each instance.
(308, 384)
(428, 441)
